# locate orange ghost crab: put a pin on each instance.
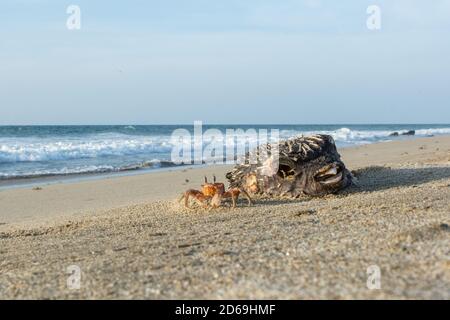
(215, 193)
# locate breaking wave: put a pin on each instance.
(348, 137)
(35, 154)
(39, 150)
(88, 169)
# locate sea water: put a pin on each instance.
(39, 151)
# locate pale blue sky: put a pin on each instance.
(176, 61)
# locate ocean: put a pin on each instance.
(40, 151)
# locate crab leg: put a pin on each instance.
(197, 195)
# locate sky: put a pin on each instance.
(224, 61)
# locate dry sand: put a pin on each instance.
(131, 239)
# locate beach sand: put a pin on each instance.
(131, 239)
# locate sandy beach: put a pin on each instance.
(132, 239)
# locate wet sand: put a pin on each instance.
(131, 239)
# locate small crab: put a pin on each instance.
(214, 192)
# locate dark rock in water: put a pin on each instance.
(307, 165)
(409, 133)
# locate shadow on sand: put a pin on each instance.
(382, 178)
(377, 178)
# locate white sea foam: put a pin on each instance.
(155, 163)
(58, 171)
(51, 149)
(347, 137)
(31, 149)
(428, 132)
(109, 152)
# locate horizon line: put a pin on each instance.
(224, 124)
